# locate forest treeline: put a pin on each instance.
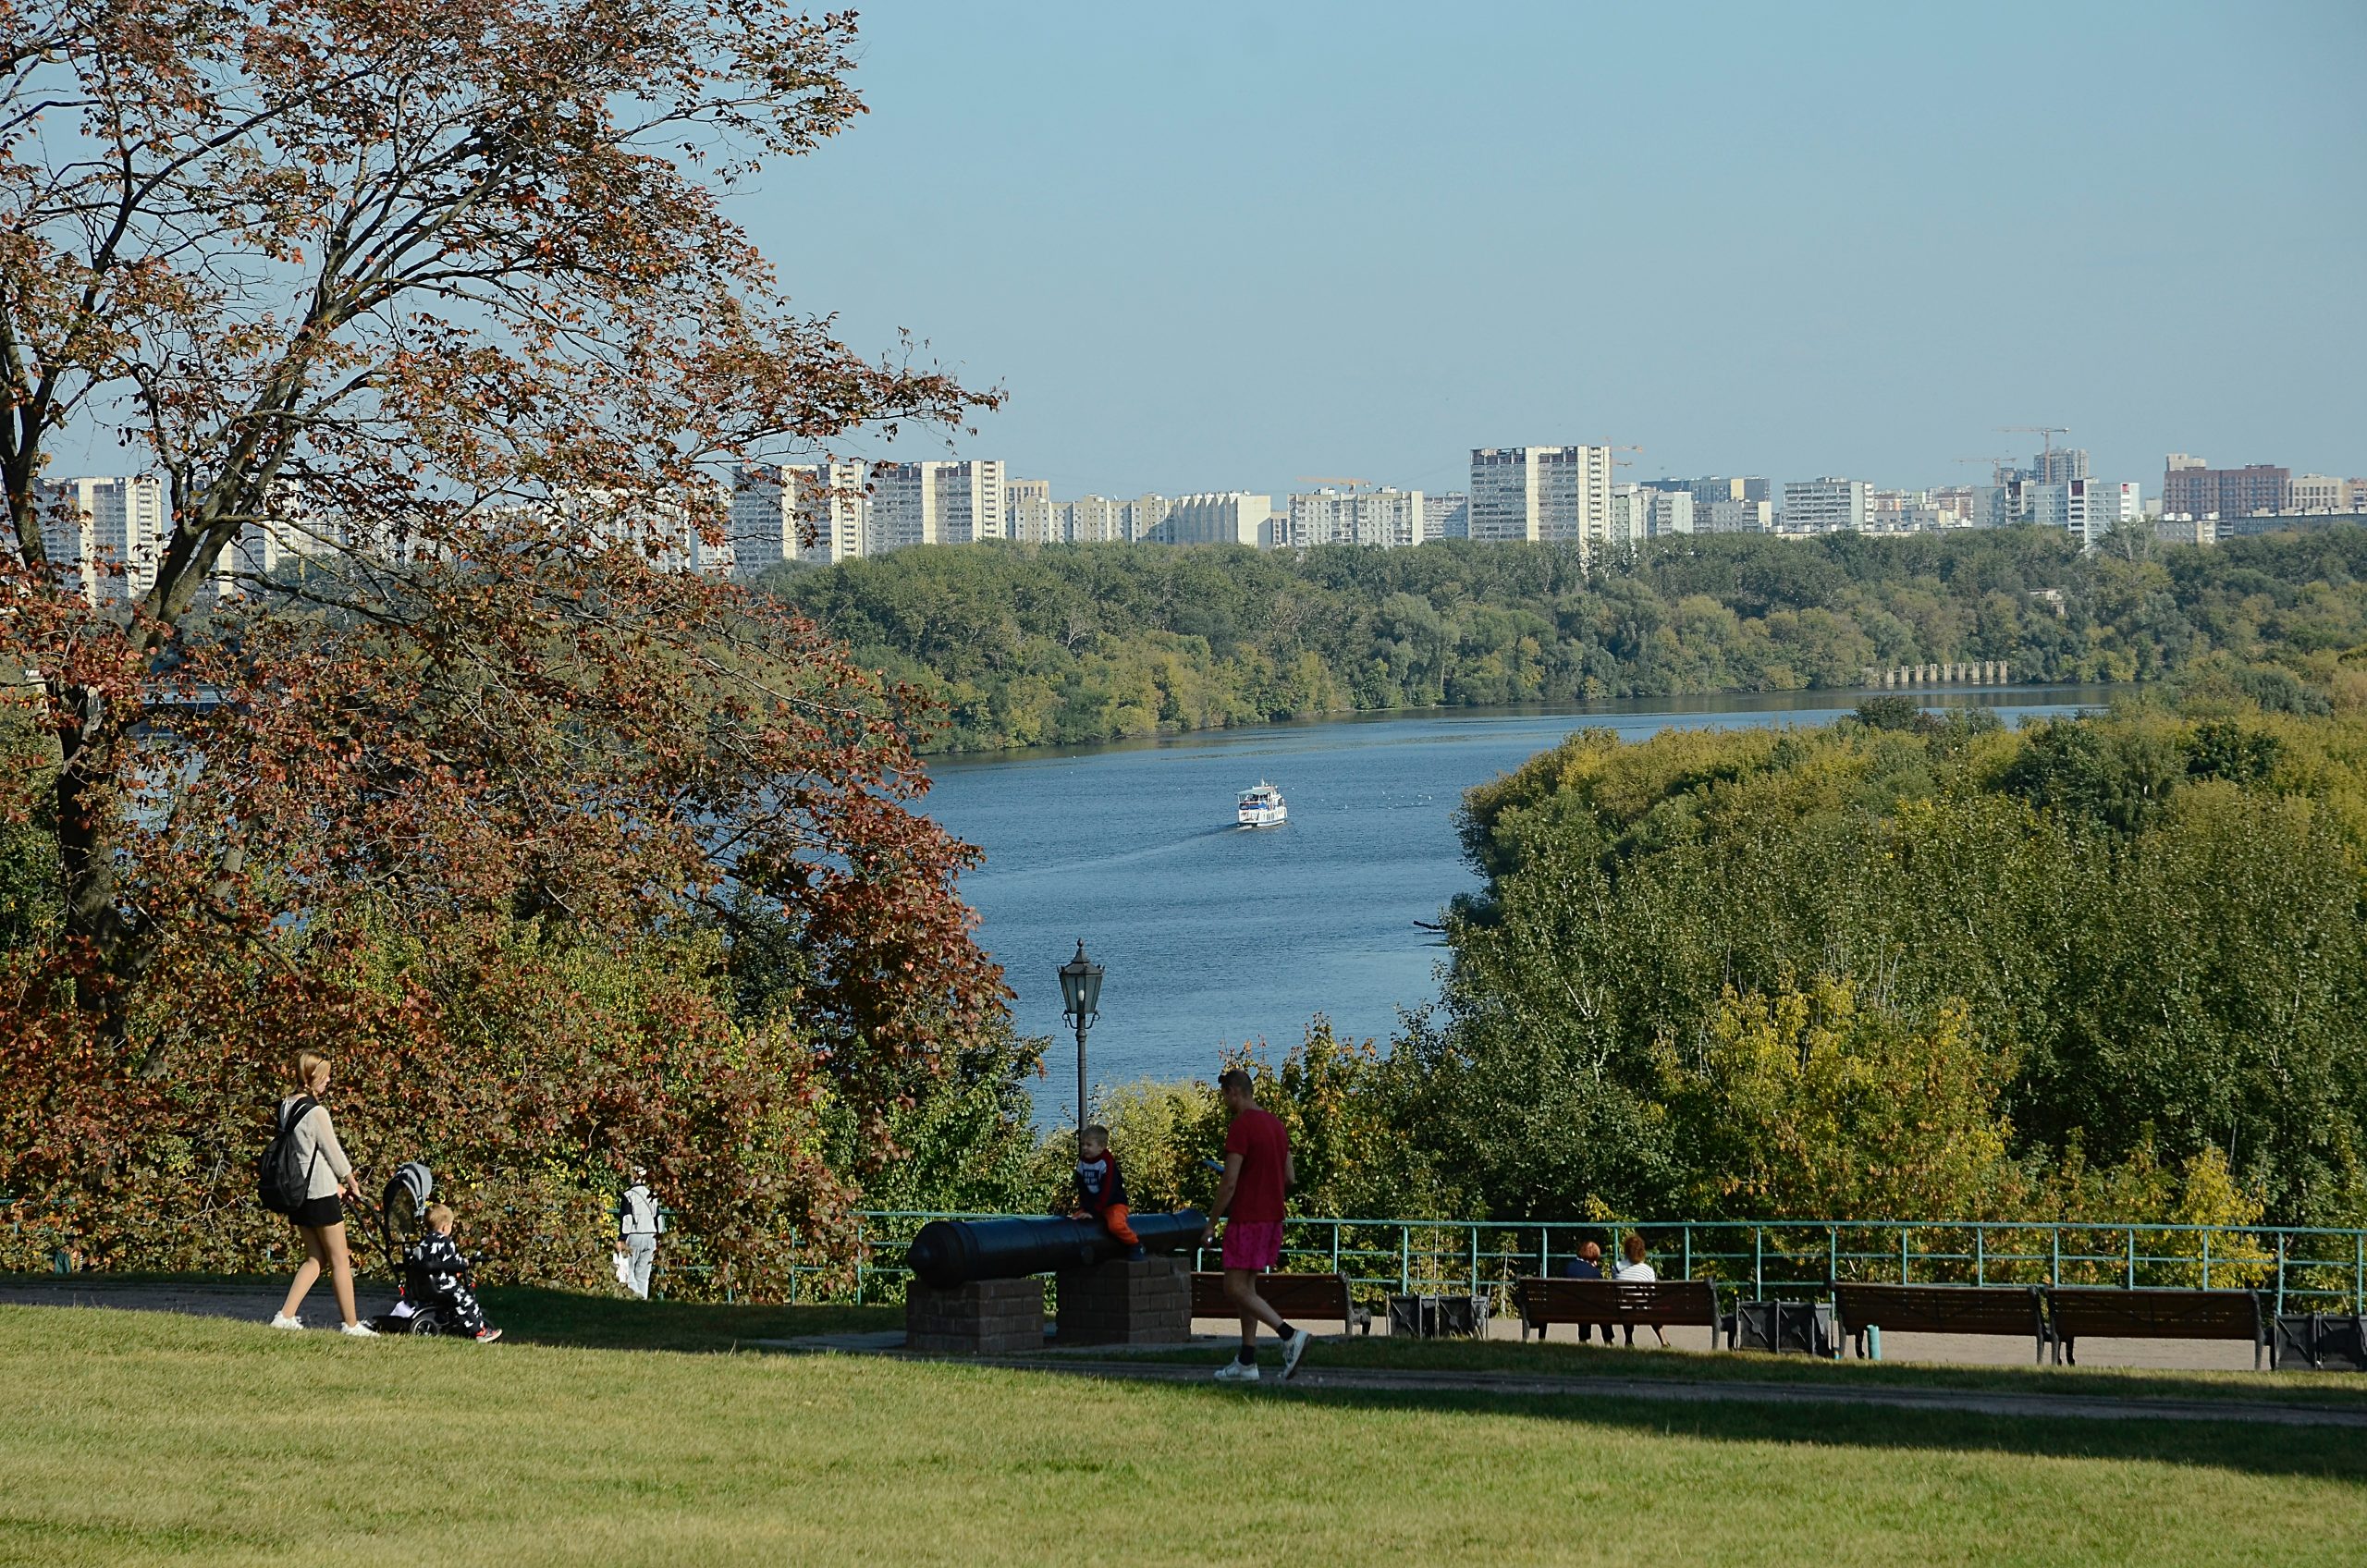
(2111, 968)
(1024, 646)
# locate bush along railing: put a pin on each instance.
(2304, 1268)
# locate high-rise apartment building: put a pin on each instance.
(1144, 516)
(1017, 490)
(2059, 465)
(1036, 519)
(1631, 517)
(1230, 517)
(1714, 488)
(1543, 495)
(2191, 488)
(2318, 491)
(776, 507)
(1734, 517)
(1094, 520)
(104, 536)
(1389, 519)
(2086, 509)
(1826, 506)
(937, 503)
(1446, 516)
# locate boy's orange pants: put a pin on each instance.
(1113, 1220)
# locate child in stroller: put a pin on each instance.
(436, 1298)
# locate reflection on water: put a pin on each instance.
(1212, 932)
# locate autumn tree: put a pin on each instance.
(432, 321)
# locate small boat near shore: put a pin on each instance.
(1262, 807)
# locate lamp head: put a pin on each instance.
(1080, 987)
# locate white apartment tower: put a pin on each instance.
(775, 505)
(1036, 520)
(104, 537)
(1544, 495)
(1094, 520)
(1446, 517)
(1826, 506)
(1229, 517)
(937, 503)
(1144, 515)
(1389, 519)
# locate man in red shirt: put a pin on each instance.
(1249, 1200)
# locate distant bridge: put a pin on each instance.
(1981, 672)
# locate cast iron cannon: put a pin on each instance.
(954, 1252)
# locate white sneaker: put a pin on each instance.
(281, 1320)
(1293, 1348)
(359, 1331)
(1237, 1371)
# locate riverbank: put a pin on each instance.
(1211, 935)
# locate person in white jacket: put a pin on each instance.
(320, 1218)
(638, 1224)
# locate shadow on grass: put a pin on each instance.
(1577, 1362)
(537, 1315)
(2330, 1454)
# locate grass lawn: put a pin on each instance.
(130, 1437)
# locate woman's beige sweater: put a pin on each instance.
(318, 1151)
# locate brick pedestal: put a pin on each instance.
(1127, 1303)
(984, 1317)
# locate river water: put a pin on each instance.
(1211, 934)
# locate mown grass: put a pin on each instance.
(1564, 1359)
(133, 1438)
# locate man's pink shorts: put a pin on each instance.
(1249, 1244)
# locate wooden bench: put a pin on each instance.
(1322, 1297)
(1649, 1303)
(2116, 1312)
(1942, 1309)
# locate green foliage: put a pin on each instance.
(2139, 935)
(1026, 645)
(1340, 1101)
(1803, 1105)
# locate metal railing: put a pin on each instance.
(2305, 1268)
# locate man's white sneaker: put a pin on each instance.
(1237, 1371)
(359, 1331)
(281, 1320)
(1293, 1348)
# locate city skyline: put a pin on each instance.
(1205, 255)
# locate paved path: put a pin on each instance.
(1979, 1402)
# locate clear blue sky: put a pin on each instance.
(1216, 246)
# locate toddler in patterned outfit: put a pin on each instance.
(434, 1252)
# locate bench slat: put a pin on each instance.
(1321, 1296)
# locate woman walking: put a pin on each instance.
(320, 1218)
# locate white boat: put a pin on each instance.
(1262, 807)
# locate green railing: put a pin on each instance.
(2305, 1268)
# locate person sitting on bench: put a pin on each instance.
(1588, 1264)
(1636, 1269)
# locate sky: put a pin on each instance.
(1221, 245)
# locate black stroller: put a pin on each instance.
(419, 1307)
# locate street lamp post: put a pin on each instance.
(1080, 1004)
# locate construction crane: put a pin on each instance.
(1620, 462)
(1996, 467)
(1352, 484)
(2046, 435)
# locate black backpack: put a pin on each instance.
(280, 1182)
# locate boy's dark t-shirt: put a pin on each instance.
(1264, 1145)
(1099, 1185)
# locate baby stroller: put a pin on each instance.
(419, 1307)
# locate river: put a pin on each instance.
(1211, 934)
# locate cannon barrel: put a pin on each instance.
(954, 1252)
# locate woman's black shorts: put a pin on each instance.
(315, 1214)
